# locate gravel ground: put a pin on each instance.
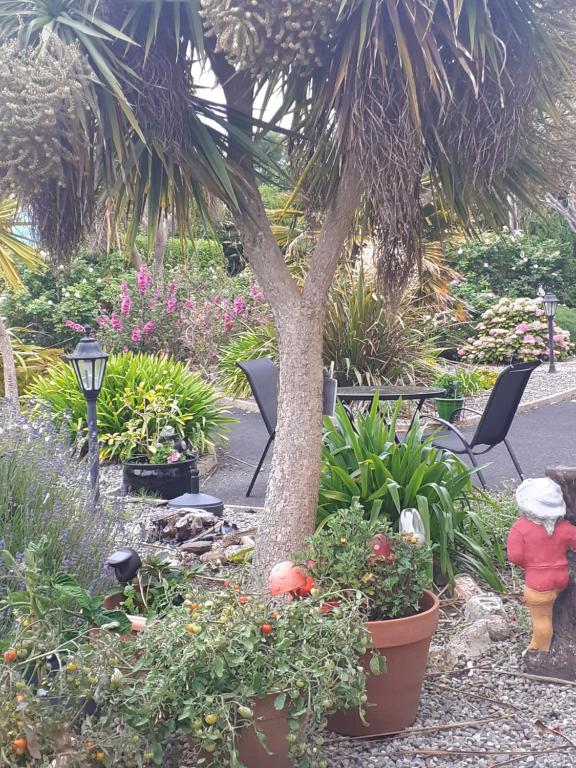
(541, 384)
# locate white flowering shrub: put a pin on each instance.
(514, 330)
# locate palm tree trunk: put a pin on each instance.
(9, 367)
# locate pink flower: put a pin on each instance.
(125, 304)
(75, 326)
(136, 334)
(149, 326)
(217, 299)
(143, 279)
(172, 289)
(523, 327)
(239, 305)
(528, 339)
(173, 458)
(115, 322)
(170, 305)
(558, 337)
(103, 320)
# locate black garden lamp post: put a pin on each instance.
(89, 363)
(550, 304)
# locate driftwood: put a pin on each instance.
(560, 661)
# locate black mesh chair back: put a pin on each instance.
(262, 375)
(503, 404)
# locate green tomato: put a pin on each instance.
(245, 712)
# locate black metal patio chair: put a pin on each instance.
(262, 375)
(495, 420)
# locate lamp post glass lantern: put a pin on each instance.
(89, 364)
(550, 304)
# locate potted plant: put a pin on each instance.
(156, 458)
(451, 404)
(208, 682)
(352, 554)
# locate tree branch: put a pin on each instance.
(335, 229)
(261, 247)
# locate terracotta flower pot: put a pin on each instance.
(273, 724)
(393, 697)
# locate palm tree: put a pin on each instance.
(13, 252)
(380, 93)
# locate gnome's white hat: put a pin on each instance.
(540, 499)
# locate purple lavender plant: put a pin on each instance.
(44, 491)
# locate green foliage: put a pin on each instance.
(354, 554)
(363, 461)
(30, 359)
(54, 295)
(45, 491)
(247, 345)
(58, 598)
(516, 264)
(368, 342)
(162, 581)
(566, 318)
(132, 380)
(196, 673)
(466, 381)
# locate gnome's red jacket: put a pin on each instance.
(542, 557)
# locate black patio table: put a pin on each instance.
(389, 392)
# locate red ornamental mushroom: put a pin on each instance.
(381, 546)
(286, 577)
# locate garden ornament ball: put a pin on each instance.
(538, 542)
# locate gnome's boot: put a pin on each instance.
(541, 606)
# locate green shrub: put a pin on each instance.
(53, 296)
(469, 381)
(44, 492)
(515, 264)
(566, 318)
(368, 342)
(363, 461)
(248, 345)
(129, 377)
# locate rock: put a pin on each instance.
(196, 547)
(441, 659)
(473, 641)
(499, 628)
(483, 606)
(465, 587)
(213, 556)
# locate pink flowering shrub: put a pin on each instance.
(514, 330)
(189, 322)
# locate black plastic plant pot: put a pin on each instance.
(164, 480)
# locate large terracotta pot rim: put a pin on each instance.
(409, 629)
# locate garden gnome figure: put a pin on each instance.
(538, 542)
